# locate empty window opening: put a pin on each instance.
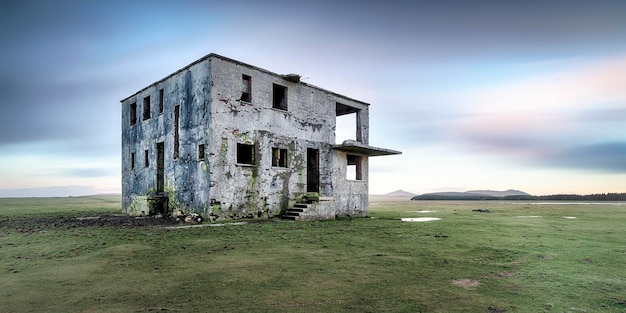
(347, 125)
(279, 97)
(246, 88)
(146, 108)
(161, 101)
(353, 171)
(201, 152)
(146, 158)
(279, 157)
(245, 154)
(132, 160)
(133, 113)
(176, 136)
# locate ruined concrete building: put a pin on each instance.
(230, 140)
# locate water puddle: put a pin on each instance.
(419, 219)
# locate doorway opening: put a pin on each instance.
(160, 167)
(312, 170)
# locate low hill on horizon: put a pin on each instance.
(398, 193)
(513, 194)
(473, 195)
(495, 193)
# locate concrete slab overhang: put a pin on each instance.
(355, 147)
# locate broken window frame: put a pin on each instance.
(246, 88)
(161, 101)
(245, 154)
(357, 162)
(201, 152)
(279, 157)
(279, 97)
(133, 113)
(146, 108)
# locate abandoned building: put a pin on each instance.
(230, 140)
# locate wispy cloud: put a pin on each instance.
(565, 119)
(607, 156)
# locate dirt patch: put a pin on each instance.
(506, 274)
(493, 309)
(466, 283)
(38, 224)
(206, 225)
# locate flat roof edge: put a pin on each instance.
(215, 55)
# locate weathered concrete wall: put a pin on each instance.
(326, 208)
(351, 195)
(212, 113)
(308, 122)
(186, 178)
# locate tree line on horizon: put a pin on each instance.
(557, 197)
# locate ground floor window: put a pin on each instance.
(354, 171)
(279, 157)
(245, 153)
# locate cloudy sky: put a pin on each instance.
(527, 95)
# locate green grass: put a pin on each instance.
(378, 264)
(21, 207)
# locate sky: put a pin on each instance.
(527, 95)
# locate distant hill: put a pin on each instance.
(494, 193)
(399, 193)
(475, 195)
(512, 194)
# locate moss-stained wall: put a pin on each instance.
(209, 93)
(308, 122)
(186, 178)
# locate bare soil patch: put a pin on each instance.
(466, 283)
(37, 224)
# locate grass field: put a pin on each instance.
(518, 257)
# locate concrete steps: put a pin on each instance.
(294, 213)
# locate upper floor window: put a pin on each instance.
(279, 97)
(146, 108)
(161, 101)
(133, 113)
(201, 152)
(246, 88)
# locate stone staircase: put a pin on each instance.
(294, 213)
(301, 208)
